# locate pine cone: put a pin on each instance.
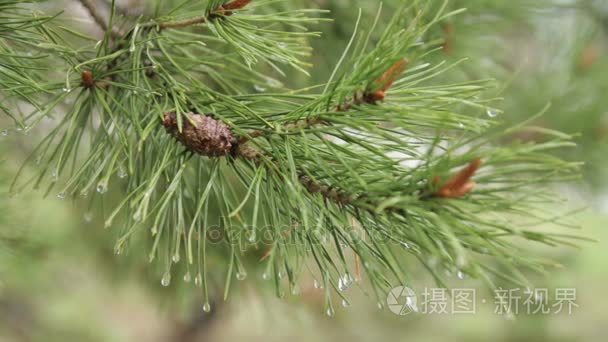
(208, 137)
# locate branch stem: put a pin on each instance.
(97, 17)
(183, 23)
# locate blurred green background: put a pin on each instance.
(61, 281)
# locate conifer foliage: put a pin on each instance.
(349, 180)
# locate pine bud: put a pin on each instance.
(390, 76)
(201, 134)
(227, 9)
(385, 81)
(460, 184)
(88, 81)
(236, 4)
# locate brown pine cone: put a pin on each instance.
(208, 137)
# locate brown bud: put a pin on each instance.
(227, 9)
(390, 76)
(88, 81)
(385, 81)
(460, 184)
(201, 134)
(374, 97)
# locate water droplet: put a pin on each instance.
(132, 48)
(345, 303)
(206, 307)
(345, 282)
(61, 195)
(166, 280)
(295, 290)
(274, 83)
(492, 112)
(347, 279)
(252, 237)
(411, 303)
(241, 275)
(54, 175)
(4, 132)
(175, 258)
(187, 277)
(265, 276)
(259, 88)
(122, 173)
(316, 284)
(461, 275)
(329, 312)
(102, 188)
(137, 216)
(198, 280)
(280, 274)
(154, 230)
(282, 45)
(88, 217)
(380, 306)
(461, 125)
(118, 249)
(66, 90)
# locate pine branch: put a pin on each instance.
(92, 9)
(223, 10)
(365, 154)
(212, 138)
(368, 97)
(99, 19)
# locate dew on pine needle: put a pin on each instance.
(241, 275)
(166, 279)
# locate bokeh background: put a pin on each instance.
(61, 281)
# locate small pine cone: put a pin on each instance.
(208, 137)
